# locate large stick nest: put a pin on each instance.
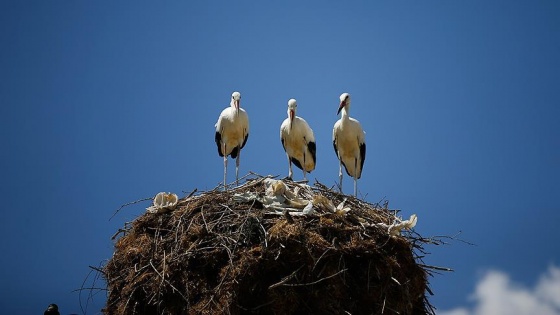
(218, 254)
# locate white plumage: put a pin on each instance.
(349, 143)
(232, 131)
(298, 141)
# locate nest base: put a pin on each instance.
(214, 255)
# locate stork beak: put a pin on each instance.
(291, 118)
(342, 104)
(236, 102)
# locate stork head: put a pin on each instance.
(344, 102)
(236, 100)
(292, 107)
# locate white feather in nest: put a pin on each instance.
(163, 202)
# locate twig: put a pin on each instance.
(163, 271)
(82, 288)
(256, 307)
(191, 193)
(129, 204)
(261, 176)
(203, 219)
(435, 267)
(97, 269)
(265, 233)
(316, 262)
(90, 288)
(314, 282)
(119, 231)
(173, 287)
(285, 279)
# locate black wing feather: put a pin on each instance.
(363, 157)
(338, 157)
(245, 141)
(218, 138)
(238, 148)
(234, 152)
(296, 163)
(312, 149)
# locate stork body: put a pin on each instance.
(349, 143)
(232, 131)
(298, 141)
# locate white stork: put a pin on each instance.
(232, 131)
(349, 143)
(298, 141)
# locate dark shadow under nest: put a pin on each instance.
(217, 254)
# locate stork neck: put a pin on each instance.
(291, 115)
(344, 113)
(235, 109)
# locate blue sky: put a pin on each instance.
(104, 103)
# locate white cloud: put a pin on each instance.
(549, 286)
(496, 294)
(457, 311)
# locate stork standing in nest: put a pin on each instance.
(298, 141)
(349, 143)
(232, 131)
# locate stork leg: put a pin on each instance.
(290, 173)
(340, 174)
(304, 172)
(355, 178)
(225, 164)
(237, 167)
